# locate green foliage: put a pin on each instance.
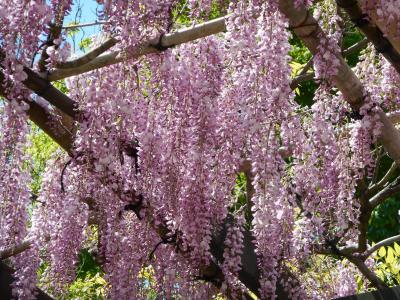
(72, 31)
(41, 149)
(351, 38)
(84, 44)
(218, 9)
(88, 288)
(387, 264)
(87, 266)
(182, 17)
(299, 53)
(305, 93)
(384, 221)
(60, 84)
(300, 56)
(239, 193)
(89, 283)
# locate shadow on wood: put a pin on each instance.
(5, 284)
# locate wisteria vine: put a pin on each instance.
(160, 140)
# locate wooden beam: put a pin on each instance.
(57, 125)
(371, 31)
(391, 33)
(307, 29)
(154, 45)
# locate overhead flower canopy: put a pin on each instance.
(158, 121)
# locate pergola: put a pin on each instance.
(307, 29)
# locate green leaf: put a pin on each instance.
(296, 67)
(382, 252)
(380, 274)
(397, 248)
(85, 44)
(390, 256)
(72, 31)
(395, 269)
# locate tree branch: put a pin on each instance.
(394, 117)
(75, 26)
(47, 91)
(385, 179)
(370, 275)
(375, 247)
(55, 31)
(25, 245)
(58, 127)
(303, 76)
(356, 47)
(44, 89)
(307, 29)
(166, 41)
(92, 54)
(388, 191)
(390, 33)
(6, 280)
(366, 209)
(371, 31)
(249, 275)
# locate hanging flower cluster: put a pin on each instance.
(326, 61)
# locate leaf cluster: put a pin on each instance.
(387, 264)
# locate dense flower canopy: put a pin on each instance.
(159, 140)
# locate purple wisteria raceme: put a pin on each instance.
(179, 146)
(15, 197)
(232, 254)
(326, 61)
(260, 80)
(59, 221)
(390, 87)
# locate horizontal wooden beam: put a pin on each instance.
(154, 45)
